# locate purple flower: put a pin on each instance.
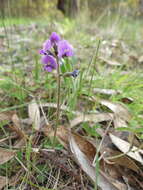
(55, 47)
(42, 52)
(54, 38)
(49, 63)
(47, 45)
(75, 73)
(65, 49)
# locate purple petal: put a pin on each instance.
(49, 62)
(54, 37)
(65, 49)
(47, 68)
(48, 59)
(75, 73)
(42, 52)
(47, 45)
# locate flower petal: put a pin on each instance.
(54, 37)
(48, 68)
(47, 45)
(42, 52)
(65, 49)
(48, 59)
(49, 62)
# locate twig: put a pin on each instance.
(98, 150)
(94, 59)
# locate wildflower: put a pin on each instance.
(52, 42)
(49, 62)
(75, 73)
(64, 49)
(54, 38)
(54, 47)
(69, 74)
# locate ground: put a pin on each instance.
(100, 125)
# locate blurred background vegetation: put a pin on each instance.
(38, 8)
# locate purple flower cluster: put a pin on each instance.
(52, 48)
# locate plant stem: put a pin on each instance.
(58, 99)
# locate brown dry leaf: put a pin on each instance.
(124, 147)
(107, 149)
(119, 110)
(6, 155)
(123, 161)
(114, 172)
(140, 59)
(110, 62)
(106, 91)
(17, 126)
(34, 114)
(6, 115)
(3, 181)
(20, 143)
(127, 100)
(103, 182)
(99, 117)
(63, 134)
(85, 146)
(118, 122)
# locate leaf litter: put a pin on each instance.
(127, 148)
(3, 181)
(83, 151)
(6, 155)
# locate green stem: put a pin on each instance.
(58, 99)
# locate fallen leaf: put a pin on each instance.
(110, 62)
(20, 143)
(108, 151)
(17, 126)
(63, 137)
(120, 110)
(123, 161)
(6, 155)
(124, 147)
(118, 122)
(114, 172)
(127, 100)
(103, 182)
(34, 114)
(85, 146)
(140, 59)
(106, 91)
(6, 115)
(99, 117)
(3, 181)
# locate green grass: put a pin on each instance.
(15, 21)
